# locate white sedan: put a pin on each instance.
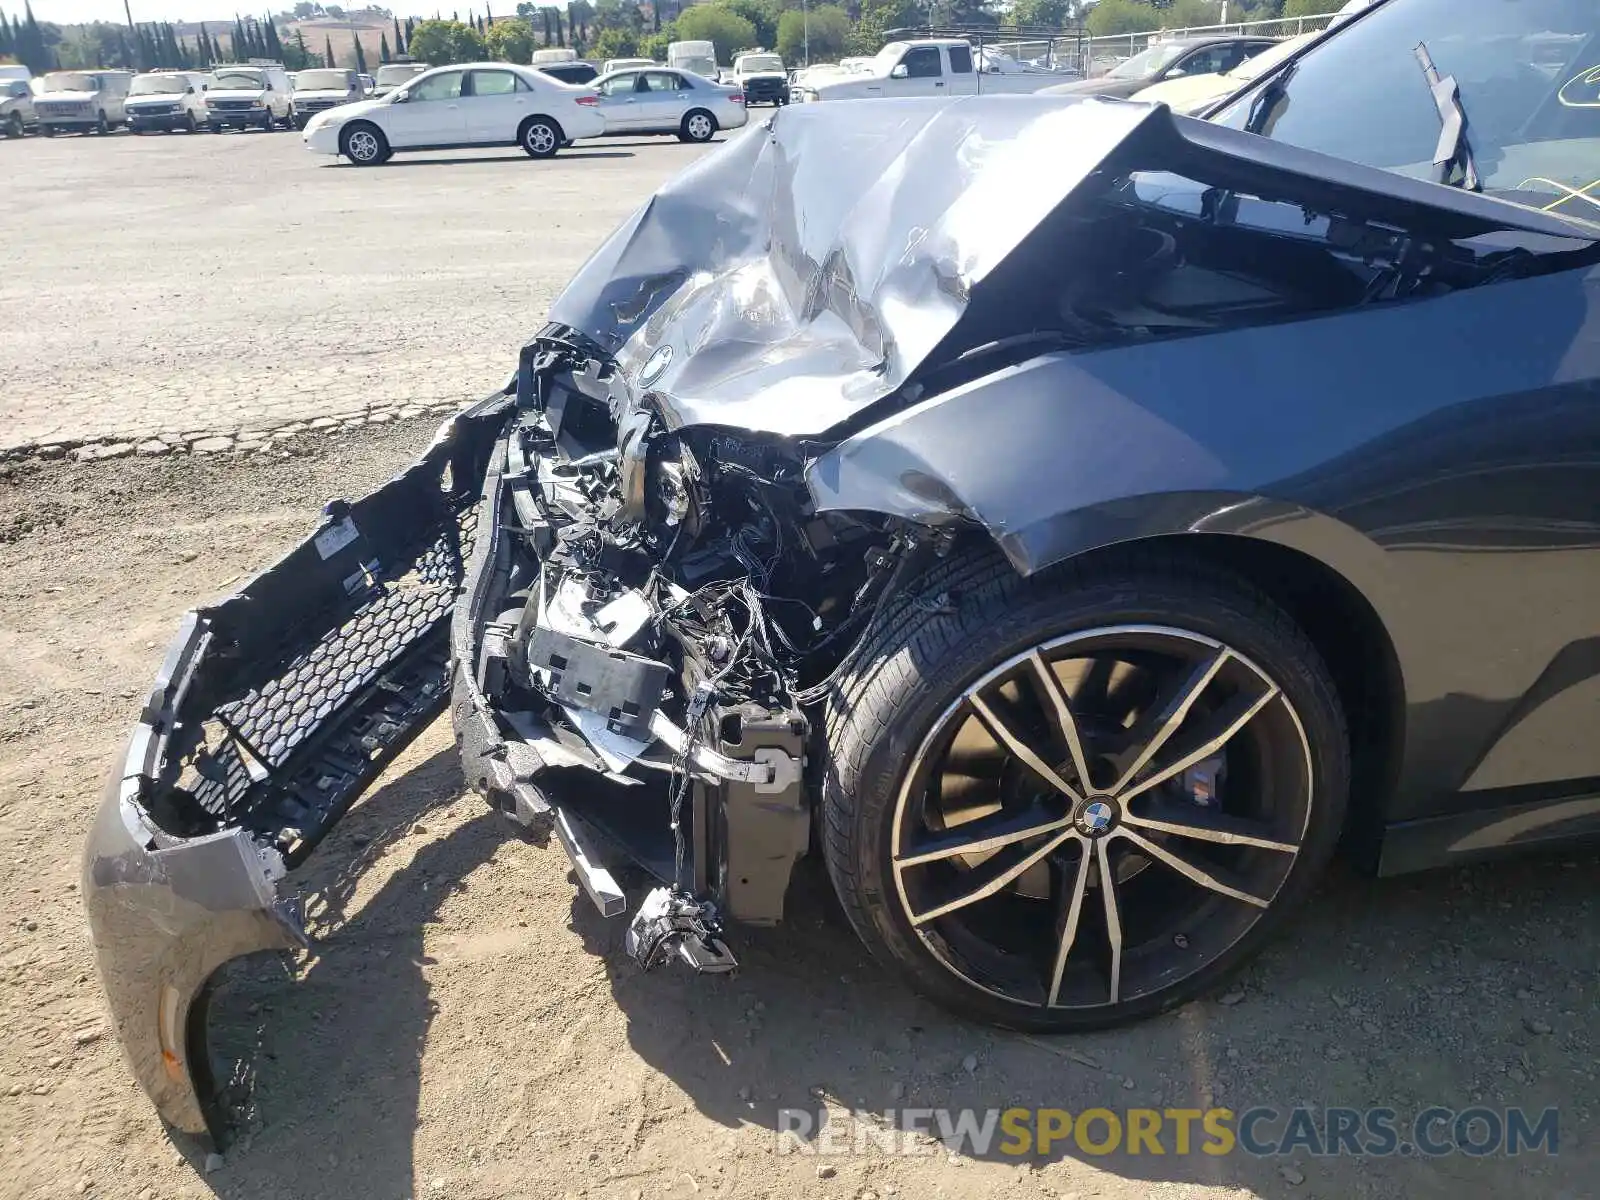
(448, 108)
(660, 100)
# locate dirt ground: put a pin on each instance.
(469, 1026)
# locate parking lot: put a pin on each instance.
(469, 1026)
(178, 287)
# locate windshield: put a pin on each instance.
(395, 74)
(888, 58)
(238, 81)
(70, 81)
(706, 67)
(759, 62)
(1147, 63)
(1253, 68)
(157, 85)
(1529, 76)
(324, 81)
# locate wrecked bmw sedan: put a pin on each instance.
(1067, 519)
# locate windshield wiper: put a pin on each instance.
(1269, 97)
(1454, 150)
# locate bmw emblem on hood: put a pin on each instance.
(655, 366)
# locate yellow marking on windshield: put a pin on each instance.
(1589, 78)
(1569, 192)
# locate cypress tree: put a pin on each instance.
(399, 42)
(274, 43)
(488, 17)
(328, 46)
(29, 41)
(7, 38)
(383, 47)
(361, 55)
(240, 50)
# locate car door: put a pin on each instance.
(963, 79)
(493, 106)
(662, 98)
(430, 113)
(924, 73)
(619, 101)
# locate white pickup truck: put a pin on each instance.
(930, 67)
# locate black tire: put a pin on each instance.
(540, 137)
(48, 130)
(698, 126)
(301, 122)
(974, 613)
(364, 145)
(190, 125)
(14, 127)
(214, 126)
(102, 126)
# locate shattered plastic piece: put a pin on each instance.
(669, 923)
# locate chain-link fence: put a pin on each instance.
(1103, 53)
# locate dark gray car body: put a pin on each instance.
(832, 285)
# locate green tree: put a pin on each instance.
(274, 46)
(728, 31)
(763, 14)
(655, 46)
(825, 30)
(510, 40)
(360, 55)
(616, 43)
(295, 55)
(877, 16)
(1052, 14)
(1307, 8)
(399, 42)
(327, 46)
(1121, 16)
(441, 42)
(383, 47)
(1186, 13)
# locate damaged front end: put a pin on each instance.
(824, 357)
(649, 615)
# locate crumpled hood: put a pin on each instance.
(804, 271)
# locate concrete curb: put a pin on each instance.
(220, 441)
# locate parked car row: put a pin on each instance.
(500, 104)
(254, 95)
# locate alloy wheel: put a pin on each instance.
(1101, 817)
(700, 127)
(362, 146)
(540, 139)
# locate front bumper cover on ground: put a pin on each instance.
(273, 710)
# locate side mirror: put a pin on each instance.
(901, 71)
